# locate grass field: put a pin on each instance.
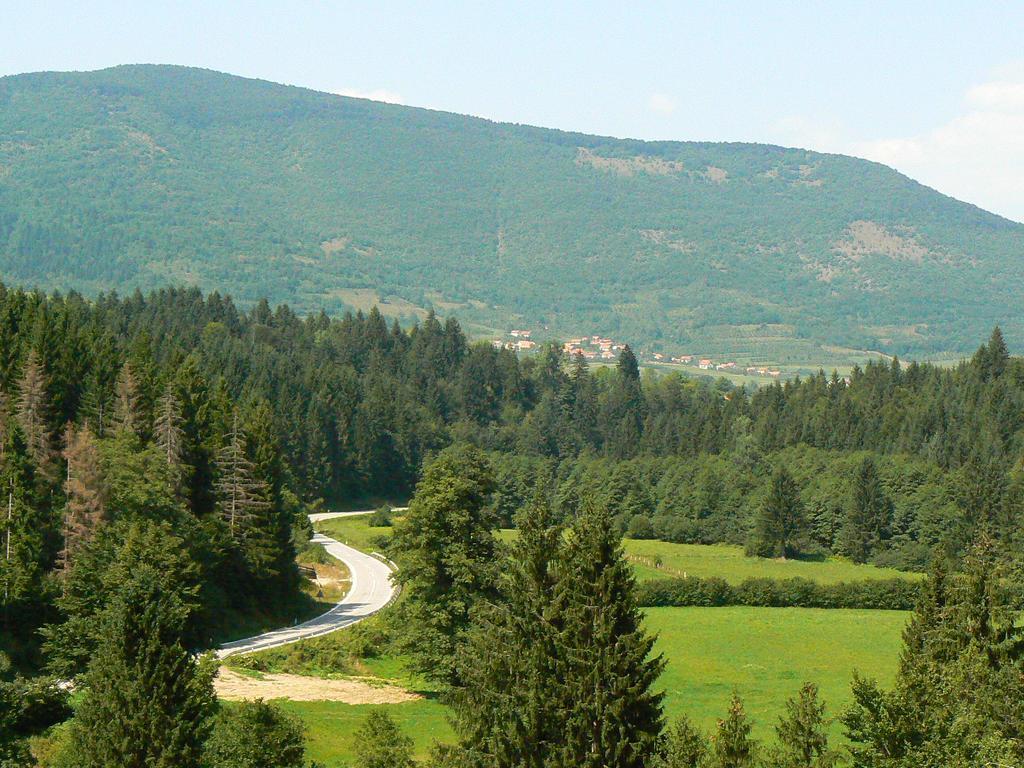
(766, 654)
(354, 531)
(729, 563)
(763, 653)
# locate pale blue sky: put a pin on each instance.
(935, 89)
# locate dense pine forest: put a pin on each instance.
(164, 450)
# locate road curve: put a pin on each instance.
(371, 590)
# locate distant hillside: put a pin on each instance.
(141, 176)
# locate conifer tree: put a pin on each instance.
(381, 744)
(684, 747)
(781, 523)
(243, 501)
(33, 412)
(958, 699)
(802, 735)
(168, 433)
(28, 533)
(869, 515)
(83, 488)
(506, 706)
(611, 716)
(126, 416)
(274, 521)
(147, 700)
(241, 496)
(731, 746)
(255, 734)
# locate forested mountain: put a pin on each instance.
(154, 175)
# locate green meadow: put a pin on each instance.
(729, 562)
(764, 654)
(660, 559)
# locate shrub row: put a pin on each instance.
(713, 592)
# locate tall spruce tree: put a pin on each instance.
(83, 489)
(869, 515)
(29, 535)
(147, 700)
(802, 735)
(126, 410)
(243, 501)
(958, 699)
(610, 717)
(33, 413)
(732, 746)
(781, 523)
(506, 707)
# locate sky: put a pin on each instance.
(933, 89)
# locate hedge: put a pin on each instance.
(713, 592)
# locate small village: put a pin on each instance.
(602, 349)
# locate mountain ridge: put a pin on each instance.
(158, 174)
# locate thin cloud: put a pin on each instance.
(661, 103)
(976, 156)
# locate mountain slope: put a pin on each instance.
(140, 176)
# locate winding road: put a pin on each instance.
(371, 590)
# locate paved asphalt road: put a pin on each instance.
(371, 590)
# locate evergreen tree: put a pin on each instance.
(126, 412)
(168, 434)
(449, 553)
(731, 746)
(869, 515)
(958, 699)
(83, 488)
(147, 700)
(254, 734)
(275, 522)
(29, 535)
(242, 499)
(780, 525)
(33, 412)
(506, 706)
(612, 718)
(802, 735)
(684, 747)
(381, 744)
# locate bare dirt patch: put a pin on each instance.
(715, 174)
(865, 238)
(335, 245)
(629, 166)
(668, 239)
(233, 686)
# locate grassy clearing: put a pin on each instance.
(331, 727)
(766, 654)
(763, 653)
(729, 563)
(355, 532)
